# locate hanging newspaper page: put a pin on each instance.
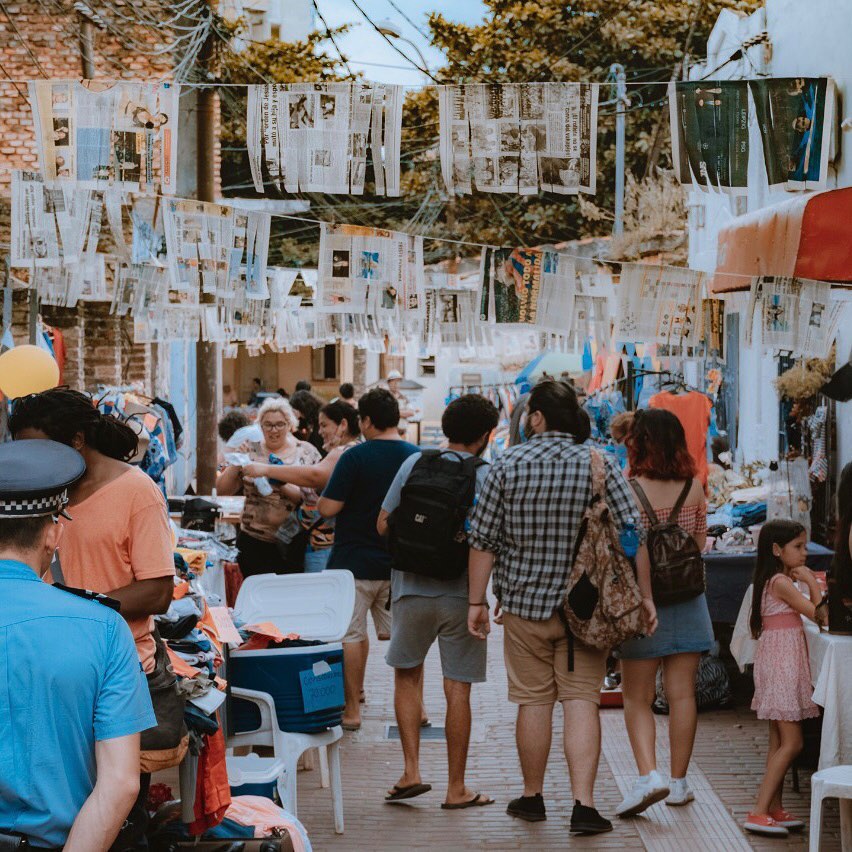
(313, 137)
(49, 225)
(124, 135)
(148, 231)
(213, 245)
(527, 287)
(713, 325)
(519, 137)
(369, 270)
(659, 304)
(796, 117)
(709, 126)
(794, 315)
(139, 288)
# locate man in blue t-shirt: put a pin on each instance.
(73, 698)
(354, 497)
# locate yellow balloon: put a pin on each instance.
(27, 369)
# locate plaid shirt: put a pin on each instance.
(529, 512)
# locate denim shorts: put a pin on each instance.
(683, 628)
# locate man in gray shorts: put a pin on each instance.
(426, 609)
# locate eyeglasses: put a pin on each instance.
(273, 427)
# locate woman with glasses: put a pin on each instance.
(264, 539)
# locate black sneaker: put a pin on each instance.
(588, 821)
(530, 808)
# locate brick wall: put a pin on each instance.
(99, 346)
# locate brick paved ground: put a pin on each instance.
(727, 768)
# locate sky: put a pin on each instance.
(368, 52)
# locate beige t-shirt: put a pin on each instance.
(118, 535)
(263, 515)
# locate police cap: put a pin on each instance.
(35, 477)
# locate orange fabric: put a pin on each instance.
(693, 411)
(180, 590)
(233, 582)
(119, 535)
(208, 627)
(212, 790)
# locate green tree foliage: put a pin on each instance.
(518, 41)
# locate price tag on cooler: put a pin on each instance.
(322, 686)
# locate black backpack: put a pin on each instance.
(677, 567)
(427, 534)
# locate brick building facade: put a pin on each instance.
(41, 39)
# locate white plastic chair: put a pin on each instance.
(835, 782)
(289, 747)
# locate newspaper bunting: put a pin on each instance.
(212, 246)
(165, 324)
(519, 137)
(796, 119)
(124, 135)
(138, 288)
(794, 315)
(451, 319)
(659, 304)
(709, 122)
(524, 286)
(369, 271)
(313, 137)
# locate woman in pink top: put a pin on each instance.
(119, 542)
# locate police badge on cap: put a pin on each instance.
(35, 477)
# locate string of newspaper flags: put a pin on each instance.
(314, 137)
(502, 137)
(370, 284)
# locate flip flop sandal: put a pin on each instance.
(480, 800)
(425, 724)
(351, 727)
(400, 793)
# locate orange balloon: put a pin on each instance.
(27, 369)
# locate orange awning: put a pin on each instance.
(809, 236)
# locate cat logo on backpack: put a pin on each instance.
(420, 519)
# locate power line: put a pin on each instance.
(331, 39)
(413, 24)
(372, 23)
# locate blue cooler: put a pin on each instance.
(306, 684)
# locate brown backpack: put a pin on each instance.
(677, 567)
(602, 604)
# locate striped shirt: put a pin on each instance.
(529, 512)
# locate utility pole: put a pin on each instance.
(621, 102)
(206, 353)
(87, 46)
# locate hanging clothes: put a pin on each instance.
(693, 411)
(212, 789)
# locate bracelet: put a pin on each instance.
(484, 603)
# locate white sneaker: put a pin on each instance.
(646, 791)
(680, 793)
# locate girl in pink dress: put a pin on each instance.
(782, 675)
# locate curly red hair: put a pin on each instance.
(656, 447)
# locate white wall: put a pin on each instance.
(810, 38)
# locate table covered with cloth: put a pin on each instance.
(830, 657)
(729, 575)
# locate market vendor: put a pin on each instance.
(406, 410)
(74, 698)
(268, 525)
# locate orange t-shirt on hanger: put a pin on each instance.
(693, 411)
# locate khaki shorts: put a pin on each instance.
(372, 596)
(536, 654)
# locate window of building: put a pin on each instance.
(426, 366)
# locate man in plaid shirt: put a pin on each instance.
(524, 527)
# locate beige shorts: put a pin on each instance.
(536, 654)
(372, 596)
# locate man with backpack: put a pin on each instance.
(526, 526)
(425, 512)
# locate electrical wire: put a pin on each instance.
(372, 23)
(331, 39)
(413, 24)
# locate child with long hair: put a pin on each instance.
(782, 677)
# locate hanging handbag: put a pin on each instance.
(168, 704)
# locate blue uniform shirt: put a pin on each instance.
(69, 676)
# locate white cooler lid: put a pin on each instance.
(316, 606)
